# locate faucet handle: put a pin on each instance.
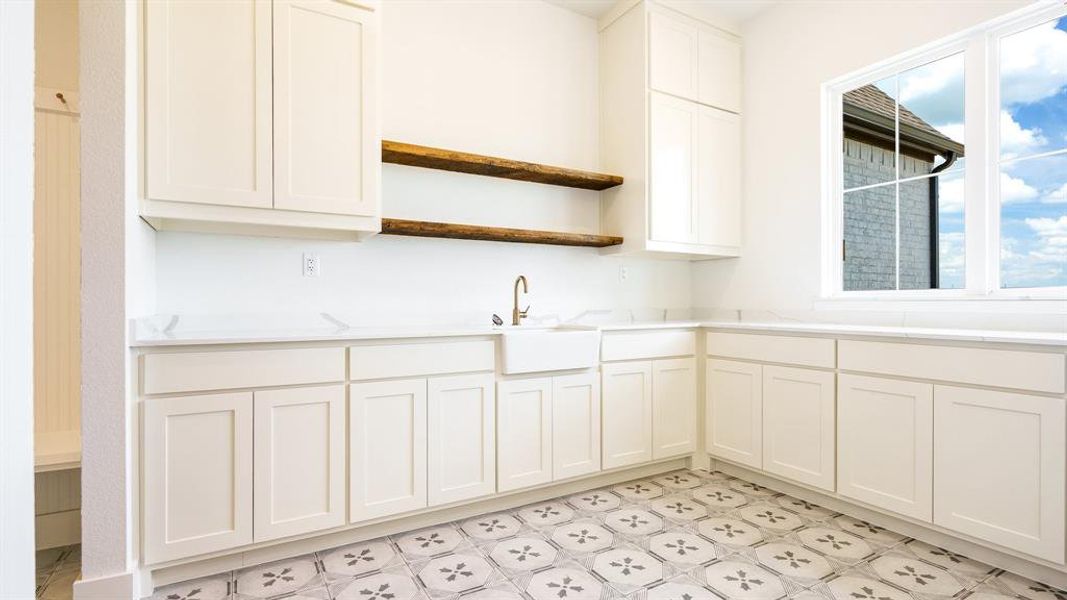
(525, 310)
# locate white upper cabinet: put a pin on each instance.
(326, 150)
(524, 427)
(718, 179)
(260, 116)
(682, 195)
(461, 432)
(798, 425)
(674, 406)
(673, 56)
(734, 406)
(208, 102)
(299, 460)
(999, 468)
(387, 448)
(885, 444)
(719, 77)
(672, 169)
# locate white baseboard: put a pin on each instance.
(58, 529)
(931, 534)
(111, 587)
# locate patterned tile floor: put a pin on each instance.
(687, 535)
(57, 568)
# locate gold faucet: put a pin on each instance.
(518, 315)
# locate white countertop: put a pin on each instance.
(175, 331)
(1040, 338)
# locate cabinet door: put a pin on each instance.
(673, 56)
(798, 425)
(885, 443)
(524, 425)
(299, 461)
(718, 180)
(387, 448)
(325, 133)
(672, 164)
(208, 102)
(575, 425)
(197, 461)
(719, 77)
(999, 468)
(674, 407)
(735, 412)
(462, 451)
(626, 413)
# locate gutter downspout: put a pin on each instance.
(935, 242)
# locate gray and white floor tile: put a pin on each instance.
(278, 578)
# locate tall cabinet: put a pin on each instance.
(683, 170)
(260, 116)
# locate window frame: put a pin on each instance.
(981, 48)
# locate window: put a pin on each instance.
(948, 167)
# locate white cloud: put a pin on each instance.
(1015, 139)
(1032, 64)
(1014, 189)
(1056, 196)
(1052, 239)
(950, 195)
(930, 78)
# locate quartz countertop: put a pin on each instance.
(170, 330)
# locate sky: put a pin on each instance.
(1033, 121)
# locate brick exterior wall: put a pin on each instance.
(870, 221)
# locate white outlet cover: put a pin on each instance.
(311, 265)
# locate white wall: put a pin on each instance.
(790, 50)
(516, 79)
(16, 300)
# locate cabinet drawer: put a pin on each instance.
(805, 351)
(639, 345)
(406, 360)
(192, 371)
(1037, 371)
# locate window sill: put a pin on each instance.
(1044, 302)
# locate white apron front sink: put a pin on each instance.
(549, 349)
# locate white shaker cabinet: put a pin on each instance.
(999, 468)
(673, 55)
(673, 407)
(524, 432)
(626, 413)
(672, 181)
(719, 77)
(197, 458)
(387, 448)
(326, 149)
(208, 102)
(718, 178)
(885, 444)
(299, 473)
(461, 438)
(575, 425)
(735, 411)
(799, 425)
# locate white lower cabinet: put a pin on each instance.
(299, 466)
(461, 438)
(387, 448)
(999, 467)
(673, 407)
(735, 412)
(626, 410)
(885, 444)
(197, 460)
(575, 425)
(798, 425)
(524, 432)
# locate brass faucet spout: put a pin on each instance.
(518, 315)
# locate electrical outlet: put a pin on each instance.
(311, 265)
(624, 273)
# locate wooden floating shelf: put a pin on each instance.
(495, 234)
(464, 162)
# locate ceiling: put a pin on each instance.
(735, 11)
